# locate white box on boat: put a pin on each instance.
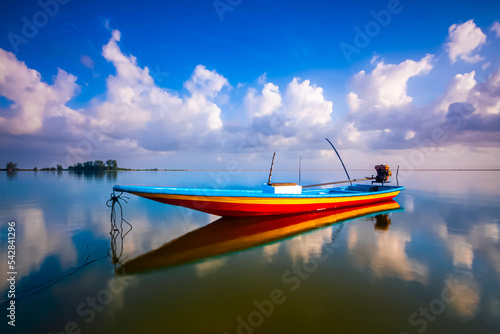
(281, 189)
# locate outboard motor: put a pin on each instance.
(383, 173)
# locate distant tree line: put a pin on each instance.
(94, 166)
(59, 168)
(48, 169)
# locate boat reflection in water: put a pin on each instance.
(231, 234)
(382, 222)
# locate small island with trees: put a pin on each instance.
(94, 166)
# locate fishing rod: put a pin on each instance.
(340, 160)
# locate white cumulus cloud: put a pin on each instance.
(264, 104)
(457, 90)
(386, 86)
(34, 101)
(306, 103)
(464, 40)
(205, 82)
(298, 116)
(468, 110)
(136, 109)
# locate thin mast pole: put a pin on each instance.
(271, 169)
(300, 169)
(397, 172)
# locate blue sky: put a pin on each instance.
(206, 83)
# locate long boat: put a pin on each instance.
(274, 198)
(241, 203)
(232, 234)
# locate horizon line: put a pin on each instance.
(260, 170)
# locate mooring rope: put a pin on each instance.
(117, 231)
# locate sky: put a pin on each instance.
(203, 84)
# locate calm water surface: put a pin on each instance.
(431, 266)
